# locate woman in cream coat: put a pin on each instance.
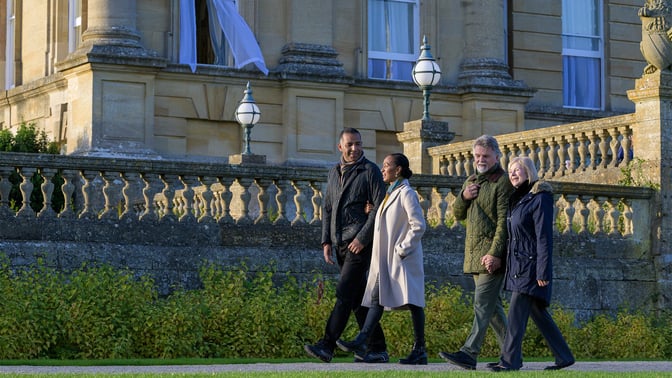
(396, 276)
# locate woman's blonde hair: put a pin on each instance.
(528, 165)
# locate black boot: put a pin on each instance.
(418, 356)
(358, 345)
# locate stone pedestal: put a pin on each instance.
(245, 159)
(420, 135)
(652, 142)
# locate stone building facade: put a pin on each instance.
(105, 76)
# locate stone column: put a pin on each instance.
(110, 78)
(484, 73)
(652, 139)
(111, 34)
(420, 135)
(309, 48)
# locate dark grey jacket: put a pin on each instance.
(343, 212)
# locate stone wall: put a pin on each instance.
(593, 274)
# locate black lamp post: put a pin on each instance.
(247, 115)
(426, 74)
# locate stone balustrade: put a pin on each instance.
(159, 190)
(557, 151)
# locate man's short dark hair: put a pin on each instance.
(348, 130)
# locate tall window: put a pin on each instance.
(211, 45)
(213, 32)
(9, 45)
(582, 54)
(393, 38)
(75, 24)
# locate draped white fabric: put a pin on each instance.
(240, 38)
(188, 33)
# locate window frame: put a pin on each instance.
(598, 54)
(395, 56)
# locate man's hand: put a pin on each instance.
(355, 246)
(470, 192)
(491, 263)
(326, 249)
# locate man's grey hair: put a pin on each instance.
(487, 141)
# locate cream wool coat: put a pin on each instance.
(397, 251)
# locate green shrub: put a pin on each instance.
(101, 312)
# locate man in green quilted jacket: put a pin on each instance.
(483, 202)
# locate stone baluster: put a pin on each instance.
(47, 188)
(613, 145)
(583, 152)
(613, 214)
(552, 157)
(532, 147)
(628, 228)
(443, 166)
(626, 144)
(68, 188)
(281, 196)
(5, 189)
(468, 164)
(301, 188)
(130, 180)
(569, 212)
(593, 148)
(504, 159)
(572, 152)
(562, 157)
(188, 213)
(224, 197)
(168, 205)
(460, 164)
(543, 156)
(245, 197)
(26, 188)
(424, 196)
(88, 212)
(110, 210)
(457, 226)
(598, 215)
(604, 148)
(584, 213)
(316, 200)
(151, 188)
(207, 215)
(442, 205)
(452, 165)
(263, 198)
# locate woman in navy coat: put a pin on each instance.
(529, 267)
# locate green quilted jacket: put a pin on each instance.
(486, 218)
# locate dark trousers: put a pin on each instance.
(349, 294)
(522, 307)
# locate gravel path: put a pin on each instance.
(634, 366)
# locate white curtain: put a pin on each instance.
(391, 31)
(242, 42)
(391, 26)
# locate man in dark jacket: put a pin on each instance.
(347, 229)
(483, 202)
